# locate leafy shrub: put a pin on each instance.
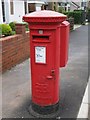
(5, 29)
(88, 10)
(12, 25)
(88, 15)
(0, 32)
(61, 9)
(76, 15)
(26, 26)
(69, 14)
(78, 10)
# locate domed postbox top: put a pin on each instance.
(44, 16)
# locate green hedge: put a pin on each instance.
(5, 29)
(12, 25)
(61, 9)
(88, 15)
(27, 28)
(76, 15)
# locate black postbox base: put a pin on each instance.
(44, 112)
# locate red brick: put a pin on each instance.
(15, 49)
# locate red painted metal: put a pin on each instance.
(44, 16)
(45, 55)
(64, 37)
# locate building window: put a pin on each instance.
(11, 7)
(31, 7)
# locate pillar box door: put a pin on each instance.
(45, 70)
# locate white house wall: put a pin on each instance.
(19, 11)
(7, 10)
(38, 6)
(1, 19)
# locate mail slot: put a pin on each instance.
(37, 38)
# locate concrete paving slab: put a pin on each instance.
(76, 26)
(84, 109)
(16, 83)
(89, 113)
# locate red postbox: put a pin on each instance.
(64, 37)
(45, 59)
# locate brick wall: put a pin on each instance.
(15, 49)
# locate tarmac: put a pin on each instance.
(16, 83)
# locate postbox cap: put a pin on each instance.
(44, 16)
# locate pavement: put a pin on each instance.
(16, 83)
(84, 111)
(76, 26)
